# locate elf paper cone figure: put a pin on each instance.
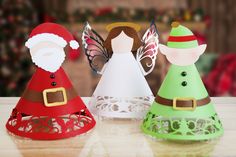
(49, 107)
(182, 109)
(122, 91)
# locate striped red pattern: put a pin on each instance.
(181, 38)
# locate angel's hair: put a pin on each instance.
(128, 31)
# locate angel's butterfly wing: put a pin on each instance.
(146, 54)
(94, 49)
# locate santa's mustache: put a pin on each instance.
(47, 52)
(49, 59)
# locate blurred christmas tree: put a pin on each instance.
(17, 17)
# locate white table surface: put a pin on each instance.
(120, 138)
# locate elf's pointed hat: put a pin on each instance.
(183, 40)
(182, 109)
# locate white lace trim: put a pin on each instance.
(106, 106)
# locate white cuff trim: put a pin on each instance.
(45, 37)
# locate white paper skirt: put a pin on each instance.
(120, 107)
(122, 91)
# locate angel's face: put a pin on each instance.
(48, 56)
(122, 43)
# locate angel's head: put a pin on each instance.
(122, 37)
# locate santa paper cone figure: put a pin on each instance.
(122, 91)
(49, 107)
(182, 109)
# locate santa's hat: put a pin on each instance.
(51, 32)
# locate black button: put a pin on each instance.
(184, 73)
(184, 83)
(53, 83)
(52, 76)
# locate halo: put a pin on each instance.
(123, 24)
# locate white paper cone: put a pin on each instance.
(122, 91)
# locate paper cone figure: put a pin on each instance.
(122, 91)
(49, 107)
(182, 109)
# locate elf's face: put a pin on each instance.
(48, 56)
(182, 57)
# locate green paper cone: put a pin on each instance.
(171, 119)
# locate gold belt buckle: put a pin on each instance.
(53, 90)
(194, 102)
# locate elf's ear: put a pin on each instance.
(201, 49)
(164, 49)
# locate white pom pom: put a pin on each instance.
(74, 44)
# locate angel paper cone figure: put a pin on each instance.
(122, 91)
(50, 108)
(182, 109)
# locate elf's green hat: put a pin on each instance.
(183, 39)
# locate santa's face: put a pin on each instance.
(48, 56)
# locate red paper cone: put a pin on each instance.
(50, 108)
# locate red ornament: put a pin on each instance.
(103, 11)
(73, 55)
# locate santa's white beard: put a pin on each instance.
(49, 59)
